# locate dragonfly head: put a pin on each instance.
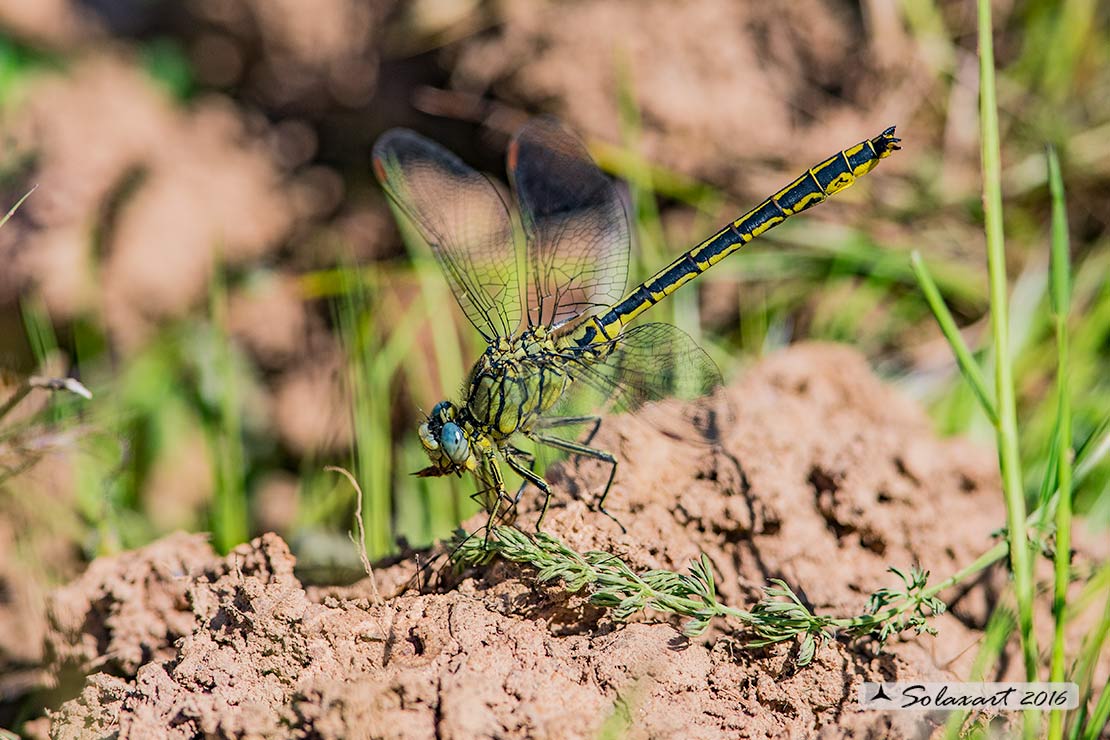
(446, 441)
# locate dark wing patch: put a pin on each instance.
(575, 224)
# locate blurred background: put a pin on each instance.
(208, 252)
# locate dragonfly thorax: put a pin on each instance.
(513, 383)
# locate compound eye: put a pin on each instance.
(443, 411)
(427, 438)
(454, 443)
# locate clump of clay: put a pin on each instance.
(129, 609)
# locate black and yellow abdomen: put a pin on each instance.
(817, 183)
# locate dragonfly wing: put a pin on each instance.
(575, 224)
(648, 365)
(462, 216)
(652, 362)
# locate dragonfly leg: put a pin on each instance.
(586, 451)
(491, 475)
(480, 497)
(530, 477)
(554, 422)
(528, 457)
(523, 454)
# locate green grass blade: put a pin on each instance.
(230, 510)
(1046, 497)
(1008, 453)
(972, 373)
(1083, 673)
(39, 329)
(1060, 267)
(1075, 20)
(370, 426)
(1093, 451)
(1100, 716)
(1060, 298)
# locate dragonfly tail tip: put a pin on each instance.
(888, 141)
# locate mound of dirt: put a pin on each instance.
(826, 479)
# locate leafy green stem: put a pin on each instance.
(779, 616)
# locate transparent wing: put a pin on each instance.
(574, 221)
(650, 362)
(461, 214)
(653, 369)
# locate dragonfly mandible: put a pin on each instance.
(547, 292)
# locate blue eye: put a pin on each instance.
(454, 443)
(443, 411)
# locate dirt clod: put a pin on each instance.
(127, 610)
(826, 479)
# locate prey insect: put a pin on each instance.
(555, 315)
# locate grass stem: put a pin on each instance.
(1084, 672)
(968, 366)
(1006, 429)
(1061, 298)
(230, 510)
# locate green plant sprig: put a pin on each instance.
(778, 617)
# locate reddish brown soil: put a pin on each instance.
(828, 477)
(695, 72)
(289, 54)
(164, 186)
(187, 176)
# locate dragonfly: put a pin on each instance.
(541, 273)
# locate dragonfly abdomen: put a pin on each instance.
(817, 183)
